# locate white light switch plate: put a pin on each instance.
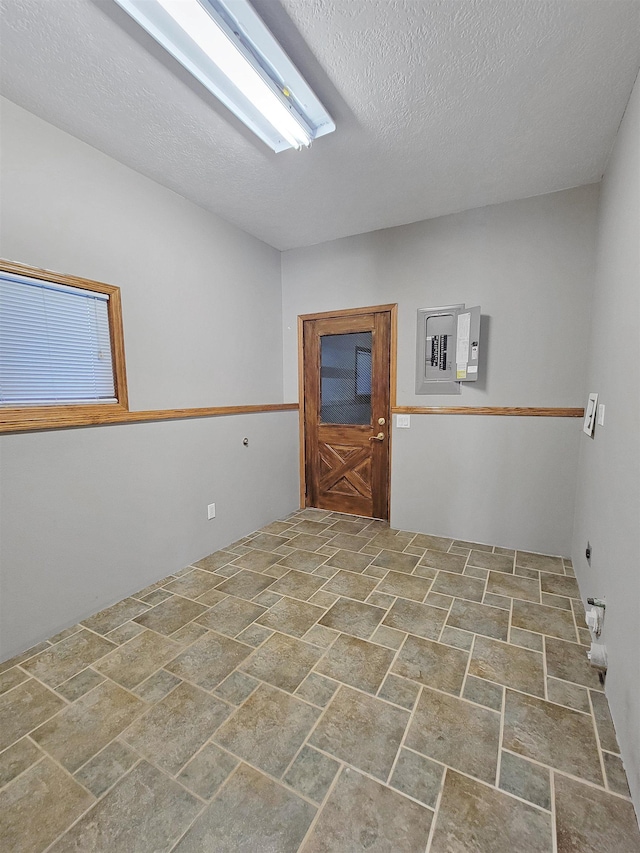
(211, 511)
(403, 421)
(601, 414)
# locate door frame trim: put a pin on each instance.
(393, 347)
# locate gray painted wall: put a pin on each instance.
(498, 480)
(90, 515)
(529, 264)
(608, 497)
(200, 298)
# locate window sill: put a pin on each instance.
(56, 417)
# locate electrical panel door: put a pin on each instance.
(448, 348)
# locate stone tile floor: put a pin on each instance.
(325, 684)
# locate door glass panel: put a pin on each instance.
(345, 373)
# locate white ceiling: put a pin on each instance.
(440, 105)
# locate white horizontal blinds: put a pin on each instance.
(54, 344)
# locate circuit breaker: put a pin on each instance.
(448, 348)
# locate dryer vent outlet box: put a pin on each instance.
(448, 348)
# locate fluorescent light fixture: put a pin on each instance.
(228, 48)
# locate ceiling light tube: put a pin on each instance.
(231, 52)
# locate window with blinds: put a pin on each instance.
(57, 344)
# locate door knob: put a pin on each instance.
(378, 437)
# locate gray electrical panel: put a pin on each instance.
(448, 348)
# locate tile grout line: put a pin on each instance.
(510, 624)
(575, 621)
(438, 690)
(545, 672)
(154, 764)
(412, 711)
(587, 782)
(301, 747)
(311, 828)
(202, 810)
(101, 796)
(78, 626)
(446, 618)
(278, 780)
(143, 713)
(305, 742)
(326, 650)
(22, 683)
(554, 825)
(26, 769)
(401, 745)
(341, 684)
(31, 731)
(96, 799)
(211, 742)
(486, 586)
(368, 775)
(436, 810)
(38, 680)
(466, 669)
(490, 785)
(503, 709)
(15, 659)
(83, 814)
(598, 744)
(503, 793)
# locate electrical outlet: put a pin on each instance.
(211, 511)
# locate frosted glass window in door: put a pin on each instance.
(345, 378)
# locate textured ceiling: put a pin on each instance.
(440, 105)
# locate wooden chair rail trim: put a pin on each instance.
(59, 417)
(509, 411)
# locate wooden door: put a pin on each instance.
(346, 398)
